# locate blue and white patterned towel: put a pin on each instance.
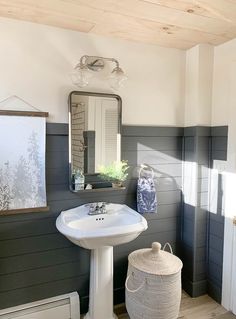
(146, 195)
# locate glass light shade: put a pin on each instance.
(117, 78)
(81, 75)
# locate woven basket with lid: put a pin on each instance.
(153, 284)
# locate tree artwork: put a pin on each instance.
(22, 162)
(5, 190)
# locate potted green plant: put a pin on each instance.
(116, 173)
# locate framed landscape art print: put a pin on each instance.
(22, 161)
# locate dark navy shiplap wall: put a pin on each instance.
(203, 230)
(37, 262)
(195, 214)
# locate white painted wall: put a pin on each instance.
(224, 56)
(198, 93)
(36, 61)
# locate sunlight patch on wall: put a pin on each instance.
(230, 195)
(190, 183)
(164, 165)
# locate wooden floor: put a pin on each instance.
(198, 308)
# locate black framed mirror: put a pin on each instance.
(94, 137)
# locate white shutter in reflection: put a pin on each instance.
(106, 130)
(110, 131)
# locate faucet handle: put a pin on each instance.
(96, 206)
(92, 206)
(103, 208)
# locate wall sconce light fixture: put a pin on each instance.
(87, 67)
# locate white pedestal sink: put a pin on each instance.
(100, 233)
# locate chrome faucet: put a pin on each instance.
(96, 209)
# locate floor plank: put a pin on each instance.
(199, 308)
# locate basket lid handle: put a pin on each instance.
(156, 247)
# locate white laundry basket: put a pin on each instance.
(153, 284)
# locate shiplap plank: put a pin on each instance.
(216, 242)
(146, 241)
(57, 159)
(215, 291)
(164, 211)
(57, 129)
(193, 7)
(56, 176)
(156, 226)
(152, 143)
(219, 131)
(160, 170)
(47, 258)
(25, 217)
(162, 184)
(46, 290)
(155, 131)
(219, 155)
(47, 16)
(215, 256)
(32, 244)
(46, 274)
(154, 11)
(219, 143)
(216, 229)
(219, 217)
(19, 229)
(57, 143)
(215, 272)
(153, 157)
(221, 9)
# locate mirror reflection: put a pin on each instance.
(95, 121)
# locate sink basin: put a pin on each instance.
(100, 233)
(119, 225)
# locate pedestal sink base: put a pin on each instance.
(101, 284)
(119, 225)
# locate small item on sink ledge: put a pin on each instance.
(146, 192)
(79, 180)
(89, 186)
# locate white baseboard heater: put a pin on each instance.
(60, 307)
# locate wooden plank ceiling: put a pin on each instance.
(170, 23)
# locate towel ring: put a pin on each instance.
(147, 168)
